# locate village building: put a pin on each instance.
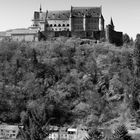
(54, 133)
(72, 133)
(24, 35)
(63, 135)
(8, 131)
(2, 35)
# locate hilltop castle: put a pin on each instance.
(83, 22)
(78, 21)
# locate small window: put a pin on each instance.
(59, 25)
(50, 25)
(63, 25)
(54, 25)
(60, 29)
(67, 29)
(55, 29)
(68, 25)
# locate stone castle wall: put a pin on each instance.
(113, 36)
(95, 35)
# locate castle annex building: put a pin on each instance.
(78, 21)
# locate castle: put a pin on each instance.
(78, 21)
(83, 22)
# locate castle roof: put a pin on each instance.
(88, 11)
(64, 14)
(111, 22)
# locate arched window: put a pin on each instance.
(54, 25)
(67, 29)
(50, 25)
(60, 29)
(59, 25)
(68, 25)
(63, 25)
(55, 29)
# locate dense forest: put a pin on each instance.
(68, 81)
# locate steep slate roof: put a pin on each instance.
(111, 22)
(76, 12)
(88, 11)
(64, 14)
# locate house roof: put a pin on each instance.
(23, 31)
(9, 127)
(72, 129)
(87, 11)
(12, 128)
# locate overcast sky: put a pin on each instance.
(18, 13)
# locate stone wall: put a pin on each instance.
(50, 34)
(59, 25)
(96, 35)
(24, 37)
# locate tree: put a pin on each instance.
(137, 55)
(126, 38)
(94, 134)
(35, 122)
(121, 133)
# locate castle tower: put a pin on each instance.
(110, 31)
(40, 9)
(46, 25)
(101, 21)
(112, 24)
(84, 22)
(71, 20)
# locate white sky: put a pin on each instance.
(18, 13)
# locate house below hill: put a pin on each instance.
(9, 132)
